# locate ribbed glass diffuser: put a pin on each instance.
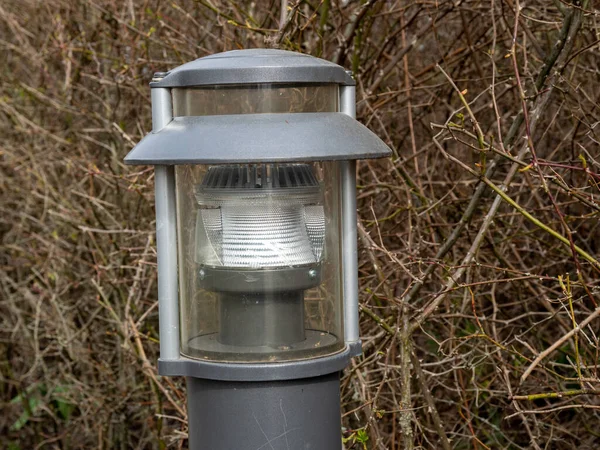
(260, 216)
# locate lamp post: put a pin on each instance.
(255, 157)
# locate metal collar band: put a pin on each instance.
(268, 371)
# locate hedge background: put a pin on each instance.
(479, 239)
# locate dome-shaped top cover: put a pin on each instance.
(238, 67)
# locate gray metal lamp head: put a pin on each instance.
(252, 138)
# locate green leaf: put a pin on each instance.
(65, 409)
(61, 404)
(362, 436)
(33, 404)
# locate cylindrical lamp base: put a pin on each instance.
(297, 414)
(275, 320)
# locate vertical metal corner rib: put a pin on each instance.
(349, 235)
(166, 236)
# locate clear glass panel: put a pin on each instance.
(259, 261)
(262, 98)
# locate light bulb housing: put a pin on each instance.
(259, 261)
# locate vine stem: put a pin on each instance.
(558, 343)
(585, 255)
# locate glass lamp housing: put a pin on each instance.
(260, 270)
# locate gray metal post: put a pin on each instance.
(349, 235)
(236, 402)
(297, 414)
(166, 236)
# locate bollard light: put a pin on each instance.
(255, 158)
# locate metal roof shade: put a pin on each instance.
(246, 138)
(249, 138)
(253, 66)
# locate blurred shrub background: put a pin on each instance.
(479, 240)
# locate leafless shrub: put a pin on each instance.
(479, 239)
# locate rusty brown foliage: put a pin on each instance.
(479, 239)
